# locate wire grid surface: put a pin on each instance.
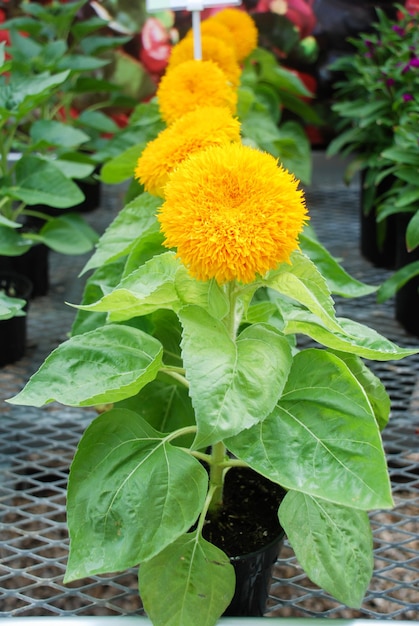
(38, 445)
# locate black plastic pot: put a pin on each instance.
(13, 330)
(253, 577)
(407, 297)
(377, 239)
(34, 264)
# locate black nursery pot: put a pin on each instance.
(247, 529)
(253, 576)
(13, 330)
(407, 297)
(377, 239)
(34, 265)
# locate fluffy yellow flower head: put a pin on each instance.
(232, 213)
(242, 27)
(213, 49)
(192, 84)
(199, 129)
(216, 29)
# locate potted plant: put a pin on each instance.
(401, 202)
(187, 342)
(374, 88)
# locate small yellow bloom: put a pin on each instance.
(192, 84)
(213, 49)
(199, 129)
(242, 27)
(215, 29)
(232, 213)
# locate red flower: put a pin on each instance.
(299, 12)
(155, 46)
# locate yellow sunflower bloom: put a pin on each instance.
(215, 29)
(199, 129)
(213, 49)
(232, 213)
(242, 27)
(192, 84)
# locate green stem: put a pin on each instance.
(217, 472)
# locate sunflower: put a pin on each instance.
(192, 84)
(213, 49)
(199, 129)
(216, 29)
(242, 27)
(232, 213)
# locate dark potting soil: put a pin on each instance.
(248, 518)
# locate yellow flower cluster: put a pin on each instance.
(230, 211)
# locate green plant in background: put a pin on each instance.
(49, 65)
(403, 197)
(376, 88)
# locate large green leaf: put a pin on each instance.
(105, 365)
(143, 291)
(352, 337)
(164, 404)
(162, 282)
(57, 133)
(126, 495)
(198, 582)
(68, 234)
(322, 437)
(372, 385)
(303, 282)
(135, 220)
(39, 182)
(233, 384)
(332, 543)
(11, 242)
(338, 280)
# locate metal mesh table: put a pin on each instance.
(37, 446)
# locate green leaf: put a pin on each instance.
(332, 543)
(121, 167)
(105, 365)
(352, 337)
(126, 495)
(303, 282)
(57, 134)
(338, 280)
(143, 291)
(372, 385)
(397, 280)
(197, 578)
(100, 43)
(40, 182)
(24, 93)
(81, 63)
(321, 438)
(10, 307)
(165, 405)
(11, 242)
(233, 384)
(98, 121)
(134, 221)
(412, 233)
(68, 234)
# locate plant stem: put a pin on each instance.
(217, 471)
